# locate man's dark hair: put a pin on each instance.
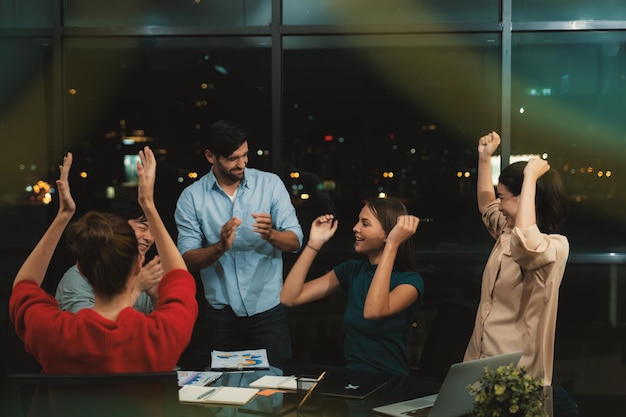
(127, 208)
(226, 137)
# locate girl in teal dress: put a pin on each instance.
(382, 291)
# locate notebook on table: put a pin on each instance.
(453, 399)
(216, 395)
(349, 384)
(276, 382)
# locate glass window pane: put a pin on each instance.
(125, 92)
(124, 13)
(326, 12)
(390, 114)
(569, 92)
(525, 10)
(26, 13)
(25, 94)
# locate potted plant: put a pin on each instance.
(507, 392)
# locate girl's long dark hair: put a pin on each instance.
(387, 211)
(550, 199)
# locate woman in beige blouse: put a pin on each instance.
(520, 284)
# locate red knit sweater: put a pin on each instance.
(86, 342)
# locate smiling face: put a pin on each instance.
(229, 169)
(145, 240)
(369, 234)
(508, 202)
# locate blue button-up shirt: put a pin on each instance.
(249, 276)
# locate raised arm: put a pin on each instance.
(168, 252)
(295, 290)
(380, 302)
(35, 266)
(526, 212)
(485, 193)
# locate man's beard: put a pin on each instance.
(234, 177)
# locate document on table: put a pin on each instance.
(251, 359)
(216, 395)
(197, 377)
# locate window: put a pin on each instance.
(391, 115)
(25, 129)
(567, 10)
(123, 93)
(349, 12)
(23, 14)
(567, 100)
(182, 13)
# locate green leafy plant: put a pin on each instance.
(507, 392)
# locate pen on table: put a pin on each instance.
(288, 379)
(205, 394)
(319, 378)
(310, 391)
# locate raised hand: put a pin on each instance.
(535, 168)
(146, 172)
(66, 202)
(488, 144)
(322, 229)
(403, 229)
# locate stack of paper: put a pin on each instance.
(276, 382)
(216, 395)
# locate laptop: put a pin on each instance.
(348, 384)
(453, 399)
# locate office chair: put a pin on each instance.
(447, 339)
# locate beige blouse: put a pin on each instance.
(519, 295)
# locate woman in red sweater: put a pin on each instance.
(111, 336)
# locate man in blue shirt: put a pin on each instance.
(233, 225)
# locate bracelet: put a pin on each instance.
(316, 250)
